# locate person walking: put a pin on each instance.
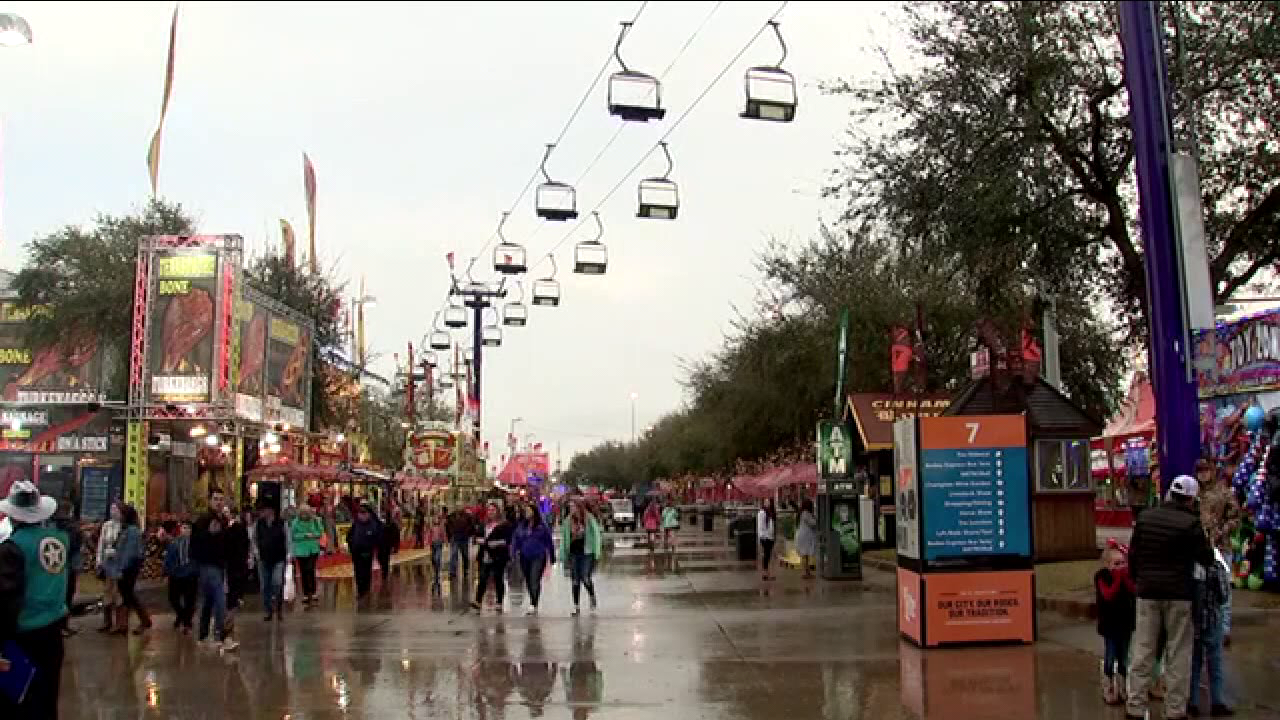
(766, 527)
(388, 542)
(183, 576)
(362, 543)
(493, 556)
(535, 550)
(580, 533)
(420, 526)
(306, 532)
(437, 535)
(460, 532)
(807, 537)
(1167, 542)
(33, 590)
(653, 522)
(209, 550)
(238, 550)
(1117, 611)
(1212, 595)
(107, 536)
(271, 554)
(670, 525)
(128, 560)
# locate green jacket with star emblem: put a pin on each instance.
(41, 586)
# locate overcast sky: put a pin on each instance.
(424, 122)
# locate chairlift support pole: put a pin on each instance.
(1146, 76)
(478, 298)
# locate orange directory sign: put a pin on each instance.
(979, 431)
(910, 604)
(978, 607)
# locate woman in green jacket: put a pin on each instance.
(580, 534)
(306, 531)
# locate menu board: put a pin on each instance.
(182, 327)
(975, 488)
(96, 493)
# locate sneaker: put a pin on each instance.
(593, 602)
(1221, 711)
(229, 645)
(576, 611)
(531, 610)
(475, 606)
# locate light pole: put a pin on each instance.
(14, 30)
(511, 434)
(634, 396)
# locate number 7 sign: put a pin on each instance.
(974, 431)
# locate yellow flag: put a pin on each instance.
(290, 241)
(153, 151)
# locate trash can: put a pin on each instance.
(739, 525)
(746, 540)
(708, 520)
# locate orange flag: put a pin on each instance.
(309, 185)
(290, 241)
(153, 152)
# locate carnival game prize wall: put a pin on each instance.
(973, 582)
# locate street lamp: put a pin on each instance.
(634, 397)
(511, 433)
(14, 30)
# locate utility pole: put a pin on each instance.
(478, 297)
(1146, 75)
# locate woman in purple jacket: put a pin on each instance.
(534, 548)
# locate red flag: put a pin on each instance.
(449, 257)
(900, 354)
(153, 151)
(309, 186)
(290, 241)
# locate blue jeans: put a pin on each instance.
(581, 567)
(437, 552)
(1208, 647)
(1115, 659)
(460, 548)
(532, 569)
(271, 581)
(213, 599)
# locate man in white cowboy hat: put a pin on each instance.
(33, 595)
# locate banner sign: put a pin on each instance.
(251, 320)
(24, 418)
(288, 371)
(181, 354)
(975, 487)
(1239, 357)
(432, 451)
(906, 493)
(835, 451)
(82, 443)
(65, 374)
(978, 607)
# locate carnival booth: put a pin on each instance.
(1121, 459)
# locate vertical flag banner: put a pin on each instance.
(290, 241)
(842, 360)
(900, 355)
(153, 152)
(309, 185)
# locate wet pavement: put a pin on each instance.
(702, 639)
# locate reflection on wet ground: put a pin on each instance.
(663, 644)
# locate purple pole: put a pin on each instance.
(1177, 408)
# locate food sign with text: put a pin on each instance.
(182, 327)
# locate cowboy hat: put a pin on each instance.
(25, 504)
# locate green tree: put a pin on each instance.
(1007, 147)
(81, 280)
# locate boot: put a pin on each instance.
(144, 620)
(108, 618)
(1122, 689)
(1110, 695)
(122, 621)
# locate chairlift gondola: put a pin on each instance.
(546, 292)
(633, 95)
(771, 91)
(554, 200)
(491, 336)
(468, 356)
(455, 316)
(515, 313)
(590, 257)
(508, 257)
(429, 359)
(659, 197)
(439, 340)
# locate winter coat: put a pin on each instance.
(594, 540)
(807, 535)
(535, 542)
(363, 537)
(306, 536)
(271, 542)
(207, 546)
(1167, 542)
(495, 547)
(1117, 605)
